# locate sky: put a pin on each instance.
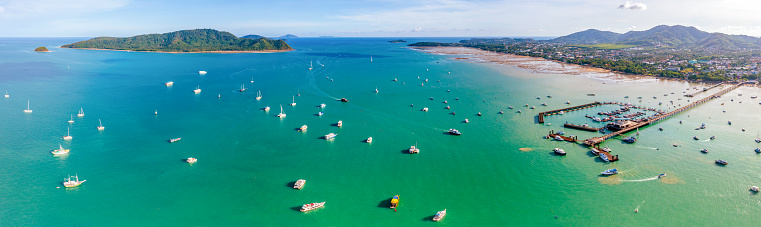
(371, 18)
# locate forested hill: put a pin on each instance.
(196, 40)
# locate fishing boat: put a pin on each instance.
(266, 108)
(259, 95)
(281, 114)
(440, 215)
(168, 83)
(722, 162)
(72, 118)
(311, 206)
(704, 151)
(369, 140)
(303, 128)
(754, 188)
(191, 160)
(174, 140)
(242, 88)
(60, 150)
(27, 110)
(630, 139)
(100, 127)
(340, 123)
(198, 90)
(330, 136)
(414, 149)
(294, 101)
(559, 151)
(299, 184)
(610, 172)
(394, 202)
(454, 132)
(69, 183)
(322, 105)
(68, 136)
(662, 175)
(202, 72)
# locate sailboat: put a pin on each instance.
(252, 80)
(242, 88)
(310, 65)
(68, 136)
(371, 58)
(81, 113)
(72, 183)
(281, 114)
(6, 94)
(294, 101)
(376, 89)
(758, 140)
(198, 90)
(72, 119)
(259, 95)
(100, 127)
(27, 110)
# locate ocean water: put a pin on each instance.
(499, 172)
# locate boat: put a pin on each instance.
(369, 140)
(558, 138)
(453, 112)
(303, 128)
(320, 114)
(281, 114)
(704, 151)
(424, 109)
(568, 102)
(242, 88)
(532, 107)
(590, 94)
(344, 100)
(68, 136)
(466, 120)
(259, 95)
(604, 157)
(168, 83)
(394, 202)
(510, 107)
(6, 94)
(729, 122)
(610, 172)
(445, 101)
(27, 110)
(198, 90)
(394, 79)
(100, 127)
(191, 160)
(630, 139)
(448, 107)
(414, 149)
(60, 150)
(695, 138)
(330, 136)
(754, 188)
(758, 150)
(561, 112)
(322, 105)
(559, 151)
(520, 111)
(479, 113)
(340, 123)
(252, 80)
(299, 184)
(661, 129)
(500, 111)
(675, 145)
(454, 132)
(722, 162)
(311, 206)
(202, 72)
(310, 65)
(69, 183)
(156, 112)
(294, 101)
(72, 118)
(266, 108)
(440, 215)
(713, 137)
(376, 89)
(175, 140)
(662, 175)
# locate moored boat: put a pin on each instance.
(330, 136)
(69, 183)
(369, 140)
(754, 188)
(340, 123)
(413, 149)
(311, 206)
(630, 139)
(299, 184)
(81, 113)
(266, 108)
(27, 110)
(168, 83)
(191, 160)
(202, 72)
(175, 140)
(198, 90)
(394, 202)
(440, 215)
(303, 128)
(454, 132)
(559, 151)
(281, 114)
(60, 150)
(68, 136)
(704, 151)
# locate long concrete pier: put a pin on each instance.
(540, 117)
(704, 90)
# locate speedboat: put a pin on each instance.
(559, 151)
(330, 136)
(369, 140)
(729, 122)
(340, 123)
(69, 183)
(695, 138)
(662, 175)
(754, 188)
(175, 140)
(440, 215)
(191, 160)
(311, 206)
(168, 83)
(424, 109)
(299, 184)
(303, 128)
(704, 151)
(60, 150)
(454, 132)
(722, 162)
(630, 139)
(610, 171)
(394, 202)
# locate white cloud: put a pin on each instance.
(633, 6)
(2, 9)
(417, 29)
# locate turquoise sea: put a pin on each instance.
(248, 159)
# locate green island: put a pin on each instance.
(397, 41)
(185, 41)
(41, 49)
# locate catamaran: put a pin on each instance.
(198, 90)
(281, 114)
(60, 150)
(294, 101)
(81, 113)
(67, 137)
(27, 110)
(69, 183)
(242, 88)
(100, 127)
(259, 95)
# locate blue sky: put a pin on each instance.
(374, 18)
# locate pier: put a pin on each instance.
(540, 117)
(581, 127)
(599, 152)
(597, 140)
(552, 135)
(704, 90)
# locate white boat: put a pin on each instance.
(466, 120)
(252, 80)
(371, 58)
(175, 139)
(303, 128)
(72, 118)
(100, 127)
(67, 137)
(202, 72)
(156, 112)
(69, 183)
(266, 108)
(369, 140)
(320, 114)
(310, 65)
(330, 136)
(340, 123)
(6, 94)
(168, 83)
(322, 105)
(294, 101)
(610, 171)
(414, 149)
(311, 206)
(440, 215)
(60, 150)
(242, 88)
(754, 188)
(424, 109)
(198, 90)
(259, 95)
(27, 110)
(559, 151)
(281, 114)
(604, 157)
(191, 160)
(299, 184)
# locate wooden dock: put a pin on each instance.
(540, 117)
(597, 140)
(581, 127)
(600, 152)
(552, 135)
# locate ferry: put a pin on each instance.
(330, 136)
(175, 140)
(60, 150)
(69, 183)
(299, 184)
(198, 90)
(704, 151)
(454, 132)
(311, 206)
(722, 162)
(369, 140)
(340, 123)
(168, 83)
(441, 214)
(559, 151)
(191, 160)
(610, 171)
(303, 128)
(413, 149)
(202, 72)
(394, 202)
(754, 188)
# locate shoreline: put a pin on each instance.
(198, 52)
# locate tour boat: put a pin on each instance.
(281, 114)
(27, 110)
(299, 184)
(68, 136)
(340, 123)
(169, 83)
(424, 109)
(294, 101)
(81, 113)
(466, 120)
(175, 140)
(100, 127)
(266, 108)
(330, 136)
(303, 128)
(754, 188)
(202, 72)
(440, 215)
(259, 95)
(60, 150)
(414, 149)
(72, 118)
(69, 183)
(454, 132)
(704, 151)
(311, 206)
(322, 105)
(198, 90)
(630, 139)
(369, 140)
(242, 88)
(191, 160)
(722, 162)
(394, 202)
(559, 151)
(610, 172)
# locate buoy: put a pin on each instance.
(636, 210)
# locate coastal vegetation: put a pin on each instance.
(397, 41)
(41, 49)
(196, 40)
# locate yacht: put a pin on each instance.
(175, 140)
(252, 80)
(68, 136)
(310, 65)
(610, 171)
(559, 151)
(454, 132)
(266, 108)
(722, 162)
(281, 114)
(369, 140)
(440, 215)
(303, 128)
(311, 206)
(340, 123)
(72, 119)
(27, 110)
(322, 105)
(299, 184)
(198, 90)
(60, 150)
(414, 149)
(330, 136)
(69, 183)
(191, 160)
(202, 72)
(242, 88)
(754, 188)
(100, 127)
(168, 83)
(704, 151)
(394, 202)
(259, 95)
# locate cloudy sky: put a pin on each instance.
(371, 18)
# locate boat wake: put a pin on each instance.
(641, 180)
(651, 148)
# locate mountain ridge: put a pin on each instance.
(663, 35)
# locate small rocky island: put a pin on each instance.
(41, 49)
(398, 41)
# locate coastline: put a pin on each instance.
(198, 52)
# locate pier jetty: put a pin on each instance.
(540, 116)
(581, 127)
(704, 90)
